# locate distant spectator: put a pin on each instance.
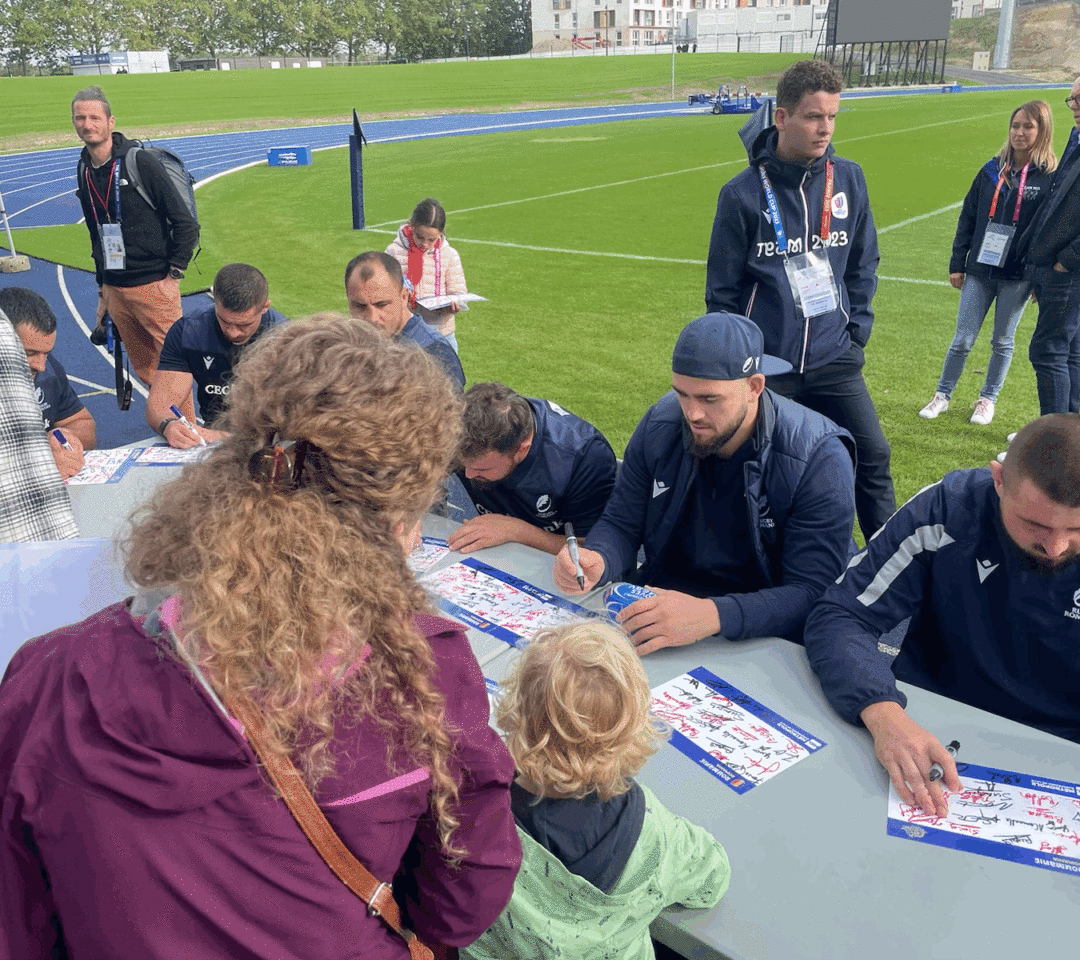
(61, 407)
(34, 503)
(1050, 248)
(985, 266)
(430, 264)
(375, 287)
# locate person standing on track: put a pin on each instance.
(140, 250)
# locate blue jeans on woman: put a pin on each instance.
(975, 299)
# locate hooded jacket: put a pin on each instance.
(135, 821)
(154, 240)
(800, 504)
(745, 272)
(555, 913)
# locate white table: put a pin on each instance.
(814, 874)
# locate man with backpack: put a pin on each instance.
(143, 230)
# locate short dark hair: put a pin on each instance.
(25, 306)
(1047, 453)
(806, 76)
(239, 287)
(496, 419)
(429, 213)
(92, 93)
(366, 262)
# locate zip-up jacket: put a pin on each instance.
(799, 498)
(988, 629)
(746, 273)
(975, 215)
(154, 240)
(1054, 235)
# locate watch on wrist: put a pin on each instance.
(176, 273)
(164, 425)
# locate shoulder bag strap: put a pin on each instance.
(379, 896)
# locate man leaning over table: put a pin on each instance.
(743, 500)
(985, 564)
(203, 347)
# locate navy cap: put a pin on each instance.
(723, 346)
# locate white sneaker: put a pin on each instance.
(1010, 438)
(984, 411)
(937, 406)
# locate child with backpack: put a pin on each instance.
(601, 856)
(430, 264)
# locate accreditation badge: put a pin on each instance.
(812, 283)
(112, 244)
(996, 243)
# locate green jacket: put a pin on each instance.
(556, 914)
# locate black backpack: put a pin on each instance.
(182, 182)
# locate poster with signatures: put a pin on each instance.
(103, 466)
(738, 740)
(999, 813)
(498, 603)
(162, 455)
(429, 553)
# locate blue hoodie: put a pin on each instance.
(746, 272)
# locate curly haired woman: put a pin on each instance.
(136, 819)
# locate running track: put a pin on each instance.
(39, 191)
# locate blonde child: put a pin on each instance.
(601, 855)
(430, 264)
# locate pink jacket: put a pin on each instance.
(451, 275)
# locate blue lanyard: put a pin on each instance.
(774, 212)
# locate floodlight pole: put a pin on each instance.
(1004, 38)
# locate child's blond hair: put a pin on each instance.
(576, 712)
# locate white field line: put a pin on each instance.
(135, 381)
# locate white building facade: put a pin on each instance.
(638, 23)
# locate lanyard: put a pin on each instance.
(774, 209)
(114, 189)
(1019, 192)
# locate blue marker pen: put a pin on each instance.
(62, 440)
(175, 411)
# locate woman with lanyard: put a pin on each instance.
(1002, 201)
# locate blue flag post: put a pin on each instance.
(357, 142)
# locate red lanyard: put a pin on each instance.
(1019, 192)
(105, 201)
(826, 203)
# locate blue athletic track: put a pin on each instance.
(39, 190)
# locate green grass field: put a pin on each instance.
(590, 243)
(151, 104)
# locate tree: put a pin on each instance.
(91, 26)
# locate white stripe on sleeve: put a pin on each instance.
(931, 537)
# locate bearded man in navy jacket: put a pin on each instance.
(985, 564)
(743, 500)
(794, 249)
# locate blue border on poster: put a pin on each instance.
(1014, 853)
(716, 767)
(470, 619)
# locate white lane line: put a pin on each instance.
(98, 388)
(135, 381)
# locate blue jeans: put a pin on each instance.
(975, 299)
(1055, 344)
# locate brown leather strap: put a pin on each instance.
(379, 896)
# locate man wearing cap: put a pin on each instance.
(794, 248)
(743, 500)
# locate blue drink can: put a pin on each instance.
(620, 595)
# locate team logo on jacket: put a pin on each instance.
(543, 505)
(985, 568)
(1074, 613)
(659, 487)
(767, 215)
(840, 206)
(208, 361)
